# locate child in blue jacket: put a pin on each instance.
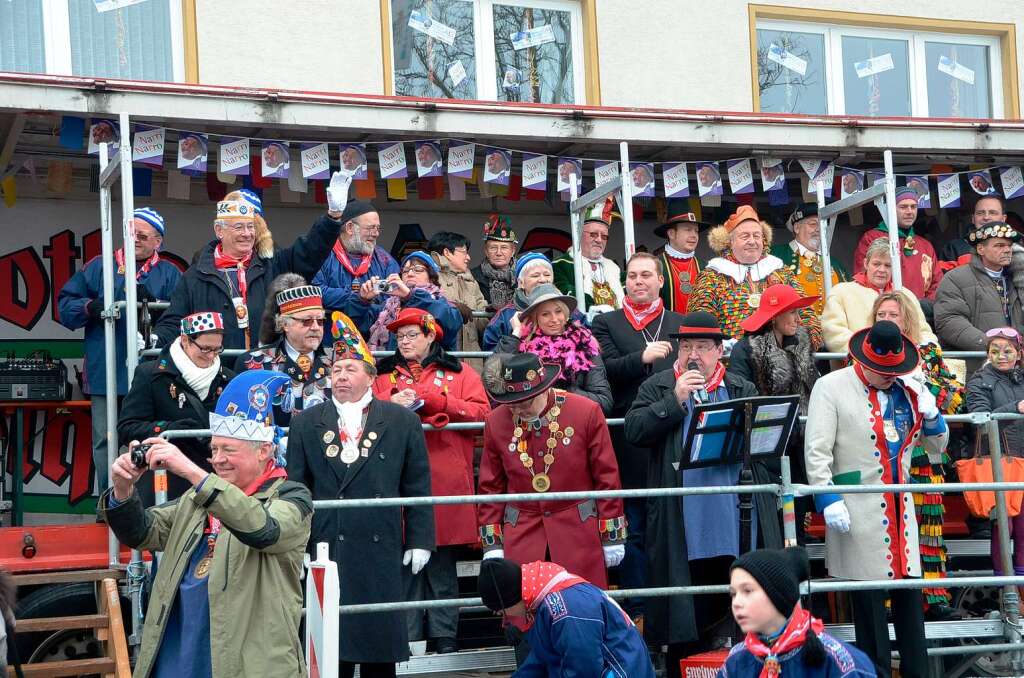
(783, 640)
(574, 630)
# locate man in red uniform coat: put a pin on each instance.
(441, 389)
(920, 265)
(679, 260)
(542, 439)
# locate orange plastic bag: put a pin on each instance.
(979, 470)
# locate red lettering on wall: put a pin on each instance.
(72, 431)
(23, 270)
(62, 254)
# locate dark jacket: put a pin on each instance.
(87, 285)
(967, 305)
(989, 390)
(160, 400)
(592, 384)
(788, 370)
(622, 348)
(367, 543)
(654, 421)
(203, 288)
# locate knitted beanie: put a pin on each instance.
(779, 572)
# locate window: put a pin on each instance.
(140, 41)
(506, 50)
(852, 70)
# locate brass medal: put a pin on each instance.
(203, 567)
(754, 300)
(328, 436)
(332, 450)
(891, 434)
(541, 482)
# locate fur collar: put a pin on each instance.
(738, 272)
(784, 370)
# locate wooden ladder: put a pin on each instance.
(109, 628)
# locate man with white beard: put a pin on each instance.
(356, 258)
(802, 255)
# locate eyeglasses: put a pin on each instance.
(308, 322)
(408, 336)
(414, 269)
(237, 228)
(687, 349)
(371, 229)
(142, 237)
(207, 350)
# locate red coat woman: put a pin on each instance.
(545, 439)
(422, 376)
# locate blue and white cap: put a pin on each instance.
(245, 409)
(151, 217)
(250, 197)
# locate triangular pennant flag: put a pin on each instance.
(287, 194)
(72, 133)
(320, 192)
(429, 188)
(256, 173)
(515, 183)
(456, 188)
(179, 185)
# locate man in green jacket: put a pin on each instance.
(227, 600)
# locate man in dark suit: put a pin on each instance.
(356, 447)
(635, 344)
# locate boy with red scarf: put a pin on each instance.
(783, 640)
(573, 628)
(635, 344)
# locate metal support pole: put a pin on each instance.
(576, 226)
(892, 222)
(109, 316)
(628, 233)
(1011, 598)
(826, 242)
(788, 501)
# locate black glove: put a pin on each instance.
(94, 308)
(465, 311)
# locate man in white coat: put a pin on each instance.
(883, 416)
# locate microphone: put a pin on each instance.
(700, 396)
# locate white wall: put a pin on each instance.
(323, 45)
(696, 55)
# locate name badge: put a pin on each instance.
(241, 312)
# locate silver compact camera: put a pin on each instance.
(383, 287)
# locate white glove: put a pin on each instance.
(613, 554)
(494, 553)
(597, 310)
(837, 517)
(337, 191)
(418, 558)
(140, 342)
(727, 345)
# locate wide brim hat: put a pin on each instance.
(883, 349)
(543, 294)
(417, 317)
(678, 214)
(699, 325)
(522, 376)
(993, 229)
(775, 301)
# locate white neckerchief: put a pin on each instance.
(995, 275)
(197, 378)
(739, 272)
(676, 254)
(350, 415)
(597, 270)
(801, 250)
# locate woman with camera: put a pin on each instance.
(175, 392)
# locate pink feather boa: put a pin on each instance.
(574, 349)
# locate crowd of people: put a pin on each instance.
(655, 340)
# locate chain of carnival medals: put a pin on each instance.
(541, 481)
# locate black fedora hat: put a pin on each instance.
(883, 349)
(679, 212)
(521, 376)
(699, 325)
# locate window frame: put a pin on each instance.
(57, 38)
(485, 54)
(999, 38)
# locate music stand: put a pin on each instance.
(740, 431)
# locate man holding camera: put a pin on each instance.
(243, 527)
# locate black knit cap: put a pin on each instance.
(356, 208)
(500, 583)
(779, 572)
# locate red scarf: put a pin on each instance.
(541, 578)
(641, 315)
(140, 271)
(272, 471)
(342, 255)
(224, 262)
(713, 383)
(862, 278)
(792, 637)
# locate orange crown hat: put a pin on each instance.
(348, 342)
(742, 213)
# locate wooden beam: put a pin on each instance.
(66, 577)
(72, 667)
(11, 141)
(81, 621)
(117, 644)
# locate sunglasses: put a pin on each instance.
(308, 322)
